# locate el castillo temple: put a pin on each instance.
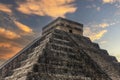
(61, 53)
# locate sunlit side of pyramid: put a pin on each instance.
(61, 53)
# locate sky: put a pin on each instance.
(21, 21)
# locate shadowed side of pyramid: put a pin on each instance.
(62, 53)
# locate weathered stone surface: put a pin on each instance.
(61, 55)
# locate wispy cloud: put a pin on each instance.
(5, 8)
(23, 27)
(52, 8)
(97, 30)
(8, 34)
(94, 35)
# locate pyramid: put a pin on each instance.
(61, 53)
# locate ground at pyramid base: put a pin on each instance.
(61, 53)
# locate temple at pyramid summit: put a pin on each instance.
(61, 53)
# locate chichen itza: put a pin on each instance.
(61, 53)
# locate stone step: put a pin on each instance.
(61, 42)
(19, 73)
(33, 57)
(28, 61)
(59, 36)
(83, 41)
(61, 52)
(58, 69)
(36, 52)
(15, 78)
(60, 55)
(46, 76)
(64, 48)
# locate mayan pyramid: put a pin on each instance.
(61, 53)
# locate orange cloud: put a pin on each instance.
(5, 8)
(53, 8)
(4, 45)
(8, 34)
(94, 35)
(110, 1)
(23, 27)
(10, 50)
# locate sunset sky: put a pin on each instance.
(21, 22)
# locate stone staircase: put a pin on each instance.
(20, 65)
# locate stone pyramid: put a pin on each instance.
(61, 53)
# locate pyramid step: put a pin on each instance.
(118, 63)
(62, 42)
(61, 61)
(22, 70)
(104, 52)
(82, 41)
(59, 32)
(58, 69)
(46, 76)
(15, 78)
(64, 48)
(36, 51)
(58, 52)
(60, 55)
(34, 55)
(59, 36)
(28, 62)
(113, 59)
(19, 73)
(107, 57)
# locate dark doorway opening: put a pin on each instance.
(70, 31)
